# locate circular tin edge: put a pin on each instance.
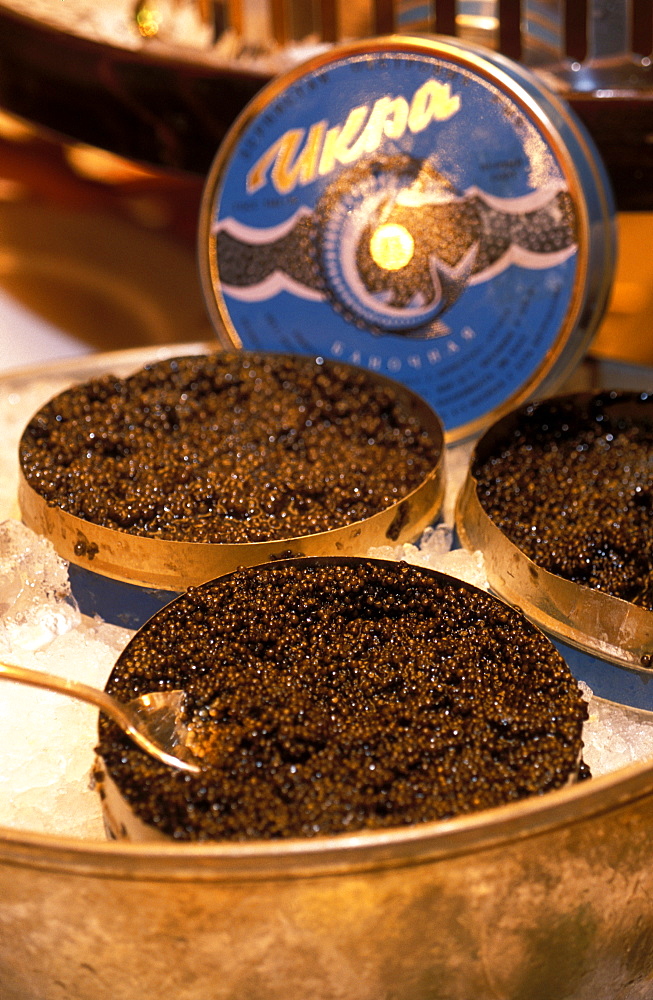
(587, 619)
(176, 565)
(585, 312)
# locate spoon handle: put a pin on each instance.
(129, 721)
(74, 689)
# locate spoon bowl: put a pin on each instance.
(153, 721)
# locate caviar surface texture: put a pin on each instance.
(572, 487)
(335, 695)
(228, 448)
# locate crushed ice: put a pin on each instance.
(35, 600)
(47, 740)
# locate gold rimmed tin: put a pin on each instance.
(418, 206)
(414, 612)
(607, 641)
(125, 577)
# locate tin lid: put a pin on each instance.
(417, 206)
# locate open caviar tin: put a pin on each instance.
(338, 694)
(607, 640)
(126, 577)
(420, 207)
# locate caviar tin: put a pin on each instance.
(607, 641)
(126, 577)
(421, 207)
(383, 606)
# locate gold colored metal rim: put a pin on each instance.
(123, 824)
(174, 566)
(591, 620)
(257, 861)
(166, 860)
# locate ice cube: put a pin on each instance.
(47, 740)
(35, 598)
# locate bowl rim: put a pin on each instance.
(364, 850)
(211, 861)
(346, 853)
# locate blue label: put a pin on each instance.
(402, 212)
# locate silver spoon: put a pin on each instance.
(152, 721)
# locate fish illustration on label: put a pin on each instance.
(408, 208)
(392, 246)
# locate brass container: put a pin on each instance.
(126, 577)
(606, 641)
(546, 899)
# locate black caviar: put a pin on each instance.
(228, 448)
(571, 484)
(331, 695)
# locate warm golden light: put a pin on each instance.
(148, 20)
(392, 247)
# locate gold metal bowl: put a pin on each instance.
(549, 897)
(545, 899)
